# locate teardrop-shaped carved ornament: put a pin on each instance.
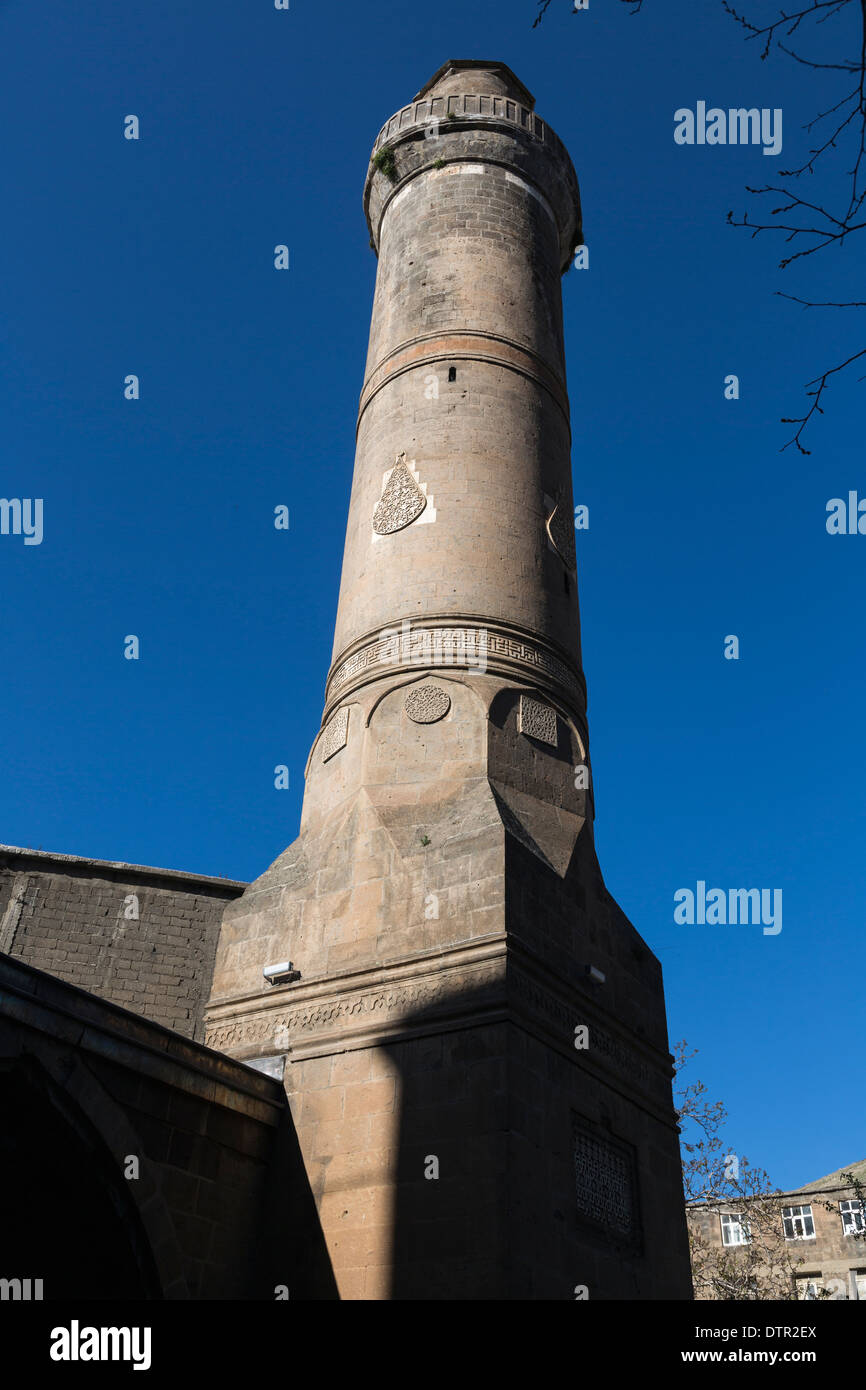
(401, 503)
(560, 529)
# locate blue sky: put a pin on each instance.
(156, 258)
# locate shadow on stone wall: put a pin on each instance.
(67, 1216)
(297, 1254)
(218, 1205)
(487, 1205)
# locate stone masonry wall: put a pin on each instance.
(142, 938)
(202, 1129)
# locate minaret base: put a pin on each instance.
(476, 1052)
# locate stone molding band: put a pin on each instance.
(491, 348)
(288, 1028)
(485, 105)
(465, 644)
(471, 112)
(477, 983)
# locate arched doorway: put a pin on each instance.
(66, 1216)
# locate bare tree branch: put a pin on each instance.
(820, 384)
(824, 8)
(813, 227)
(824, 303)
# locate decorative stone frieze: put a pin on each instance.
(469, 647)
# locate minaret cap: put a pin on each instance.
(487, 76)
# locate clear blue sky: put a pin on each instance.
(156, 258)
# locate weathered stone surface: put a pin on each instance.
(143, 938)
(443, 901)
(109, 1088)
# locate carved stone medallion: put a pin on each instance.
(427, 703)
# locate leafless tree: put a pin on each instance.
(715, 1181)
(811, 225)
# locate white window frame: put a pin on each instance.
(731, 1222)
(809, 1286)
(853, 1217)
(798, 1217)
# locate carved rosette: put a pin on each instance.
(426, 704)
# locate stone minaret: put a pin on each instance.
(473, 1038)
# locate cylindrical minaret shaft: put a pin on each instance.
(472, 203)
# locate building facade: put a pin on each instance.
(812, 1242)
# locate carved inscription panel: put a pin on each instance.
(605, 1183)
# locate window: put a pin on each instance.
(852, 1218)
(809, 1286)
(798, 1223)
(858, 1278)
(735, 1229)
